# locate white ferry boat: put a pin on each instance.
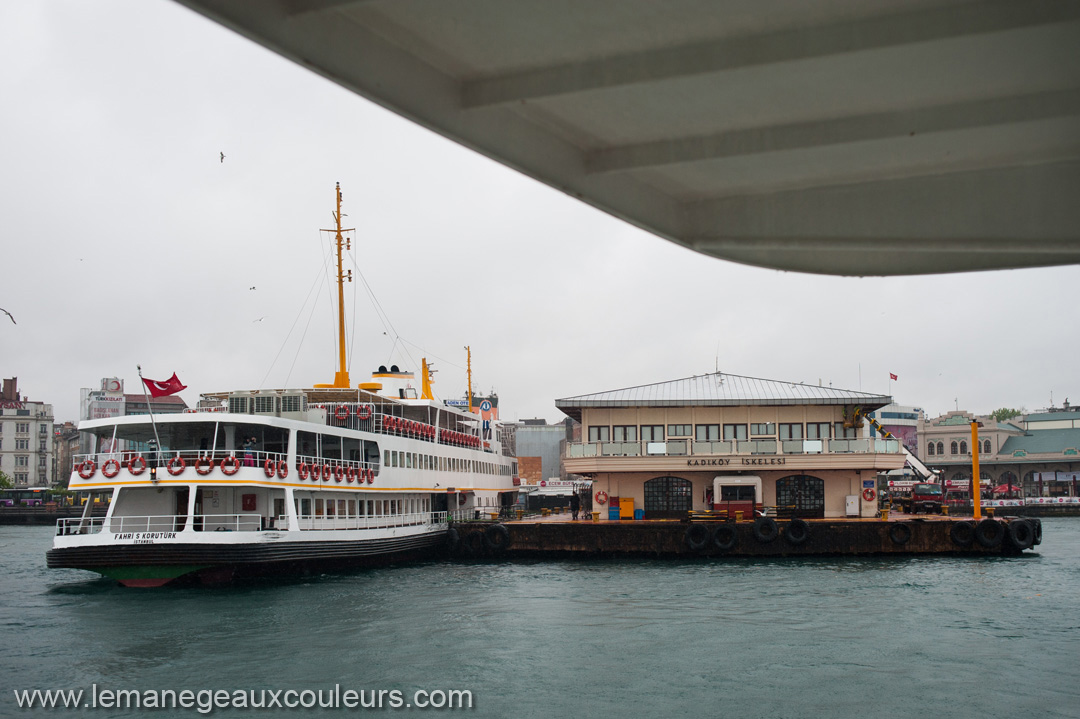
(272, 481)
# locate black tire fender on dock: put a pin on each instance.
(725, 537)
(1021, 533)
(697, 537)
(900, 533)
(1037, 530)
(497, 538)
(452, 539)
(472, 543)
(989, 533)
(962, 533)
(766, 529)
(797, 531)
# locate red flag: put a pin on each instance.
(163, 389)
(891, 376)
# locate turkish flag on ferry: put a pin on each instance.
(891, 376)
(163, 389)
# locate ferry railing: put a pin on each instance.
(163, 458)
(311, 460)
(148, 523)
(79, 525)
(682, 447)
(376, 521)
(229, 522)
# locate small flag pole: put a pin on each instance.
(150, 411)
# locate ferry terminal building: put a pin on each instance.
(719, 440)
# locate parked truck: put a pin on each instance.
(924, 498)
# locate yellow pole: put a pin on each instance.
(469, 367)
(975, 494)
(341, 378)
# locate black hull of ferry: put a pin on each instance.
(160, 564)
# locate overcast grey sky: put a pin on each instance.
(126, 240)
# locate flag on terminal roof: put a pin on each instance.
(163, 389)
(891, 376)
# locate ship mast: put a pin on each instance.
(469, 372)
(341, 378)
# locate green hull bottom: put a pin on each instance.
(148, 576)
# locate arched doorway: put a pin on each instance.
(668, 498)
(801, 494)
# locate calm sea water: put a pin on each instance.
(851, 637)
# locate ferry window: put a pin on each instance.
(350, 448)
(599, 434)
(791, 431)
(329, 508)
(306, 444)
(963, 448)
(842, 432)
(331, 446)
(386, 459)
(305, 507)
(352, 507)
(734, 431)
(817, 430)
(371, 455)
(930, 449)
(652, 433)
(341, 507)
(952, 447)
(318, 508)
(986, 447)
(762, 429)
(679, 430)
(624, 433)
(408, 460)
(707, 432)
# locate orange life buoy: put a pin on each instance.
(137, 459)
(204, 465)
(111, 468)
(230, 465)
(282, 470)
(338, 473)
(302, 470)
(341, 412)
(87, 468)
(327, 470)
(176, 465)
(363, 411)
(601, 497)
(461, 500)
(869, 494)
(269, 467)
(350, 474)
(370, 476)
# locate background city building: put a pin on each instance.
(26, 438)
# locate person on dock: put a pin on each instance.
(575, 504)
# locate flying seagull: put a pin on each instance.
(223, 157)
(251, 288)
(259, 320)
(9, 315)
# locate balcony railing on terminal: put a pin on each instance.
(689, 448)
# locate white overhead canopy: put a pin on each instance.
(831, 136)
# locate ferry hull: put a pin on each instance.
(157, 565)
